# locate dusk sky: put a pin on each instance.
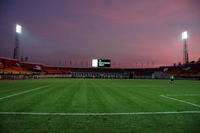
(145, 32)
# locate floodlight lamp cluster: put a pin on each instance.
(184, 35)
(18, 28)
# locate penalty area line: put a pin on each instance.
(98, 114)
(185, 95)
(22, 92)
(196, 105)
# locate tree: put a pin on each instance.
(198, 60)
(192, 62)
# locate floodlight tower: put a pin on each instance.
(185, 49)
(16, 49)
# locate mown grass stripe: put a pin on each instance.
(99, 114)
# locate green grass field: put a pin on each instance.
(99, 105)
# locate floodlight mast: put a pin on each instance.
(16, 48)
(185, 50)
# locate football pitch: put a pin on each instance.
(99, 105)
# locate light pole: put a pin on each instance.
(185, 49)
(16, 48)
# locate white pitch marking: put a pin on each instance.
(196, 105)
(98, 114)
(22, 92)
(185, 95)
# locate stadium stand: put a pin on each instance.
(1, 65)
(15, 67)
(11, 66)
(187, 70)
(34, 68)
(52, 70)
(65, 70)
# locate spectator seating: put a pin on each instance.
(52, 70)
(11, 66)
